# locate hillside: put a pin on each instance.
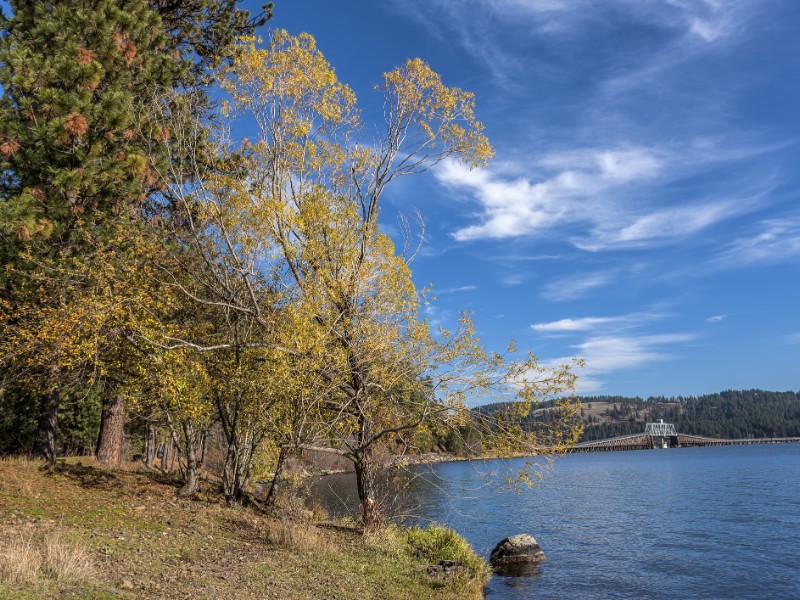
(728, 414)
(80, 531)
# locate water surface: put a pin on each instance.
(717, 522)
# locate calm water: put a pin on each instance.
(707, 523)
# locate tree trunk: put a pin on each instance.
(235, 453)
(366, 477)
(111, 440)
(238, 467)
(203, 448)
(45, 444)
(229, 472)
(150, 449)
(190, 482)
(269, 502)
(167, 447)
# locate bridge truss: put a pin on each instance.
(660, 429)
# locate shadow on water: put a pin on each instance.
(516, 580)
(518, 570)
(397, 495)
(336, 494)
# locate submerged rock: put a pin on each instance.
(521, 549)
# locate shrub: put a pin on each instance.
(437, 543)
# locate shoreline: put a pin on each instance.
(133, 538)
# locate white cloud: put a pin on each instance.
(708, 19)
(454, 290)
(594, 323)
(605, 355)
(711, 20)
(580, 324)
(517, 207)
(512, 208)
(575, 286)
(709, 31)
(660, 225)
(513, 279)
(612, 197)
(606, 164)
(774, 240)
(613, 353)
(504, 25)
(716, 319)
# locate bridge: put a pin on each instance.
(663, 435)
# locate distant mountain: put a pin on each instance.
(728, 414)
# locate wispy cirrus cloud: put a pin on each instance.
(661, 225)
(708, 20)
(454, 290)
(617, 343)
(615, 323)
(576, 286)
(579, 324)
(511, 279)
(772, 240)
(637, 130)
(612, 353)
(609, 354)
(506, 25)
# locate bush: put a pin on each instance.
(437, 543)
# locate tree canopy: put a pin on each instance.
(208, 286)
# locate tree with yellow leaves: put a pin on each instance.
(289, 226)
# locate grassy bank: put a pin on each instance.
(83, 532)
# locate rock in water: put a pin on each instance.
(517, 549)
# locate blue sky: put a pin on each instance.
(642, 209)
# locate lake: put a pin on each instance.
(714, 522)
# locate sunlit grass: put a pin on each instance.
(80, 527)
(24, 559)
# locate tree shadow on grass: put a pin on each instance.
(85, 475)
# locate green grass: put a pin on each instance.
(142, 542)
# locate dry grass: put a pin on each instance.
(296, 536)
(67, 561)
(126, 535)
(24, 559)
(20, 560)
(21, 461)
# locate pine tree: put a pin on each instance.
(75, 167)
(201, 33)
(72, 150)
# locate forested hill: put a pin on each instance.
(728, 414)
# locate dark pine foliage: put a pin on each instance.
(729, 414)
